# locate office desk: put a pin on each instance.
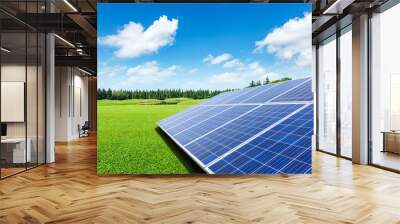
(15, 148)
(391, 141)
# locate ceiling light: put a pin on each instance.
(337, 7)
(331, 8)
(5, 50)
(64, 40)
(84, 71)
(70, 5)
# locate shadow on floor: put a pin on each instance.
(190, 165)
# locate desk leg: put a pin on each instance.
(384, 142)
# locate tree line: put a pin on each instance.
(162, 94)
(159, 94)
(267, 81)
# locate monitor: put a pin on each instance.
(3, 129)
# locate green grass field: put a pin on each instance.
(129, 141)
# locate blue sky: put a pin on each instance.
(201, 46)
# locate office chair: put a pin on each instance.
(84, 130)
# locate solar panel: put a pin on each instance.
(302, 92)
(218, 98)
(178, 115)
(226, 137)
(287, 143)
(197, 130)
(226, 96)
(261, 130)
(195, 118)
(255, 91)
(276, 91)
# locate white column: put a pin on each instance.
(360, 89)
(50, 100)
(50, 92)
(314, 89)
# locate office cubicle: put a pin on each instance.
(22, 77)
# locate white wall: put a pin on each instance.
(33, 126)
(62, 82)
(71, 87)
(17, 73)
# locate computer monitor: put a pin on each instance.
(3, 129)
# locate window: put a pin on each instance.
(327, 96)
(346, 93)
(385, 88)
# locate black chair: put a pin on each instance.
(84, 130)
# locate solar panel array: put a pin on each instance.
(260, 130)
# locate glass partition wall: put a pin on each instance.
(22, 77)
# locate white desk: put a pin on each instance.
(19, 154)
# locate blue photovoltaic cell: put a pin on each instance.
(260, 130)
(218, 142)
(218, 98)
(227, 96)
(180, 115)
(212, 123)
(254, 91)
(276, 91)
(196, 119)
(285, 148)
(300, 93)
(188, 116)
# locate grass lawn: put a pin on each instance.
(129, 141)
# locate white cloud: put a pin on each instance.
(292, 40)
(226, 77)
(149, 72)
(217, 60)
(112, 71)
(234, 63)
(134, 41)
(241, 78)
(194, 70)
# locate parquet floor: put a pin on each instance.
(69, 191)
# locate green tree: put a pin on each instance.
(252, 83)
(266, 81)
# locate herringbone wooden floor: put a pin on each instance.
(69, 191)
